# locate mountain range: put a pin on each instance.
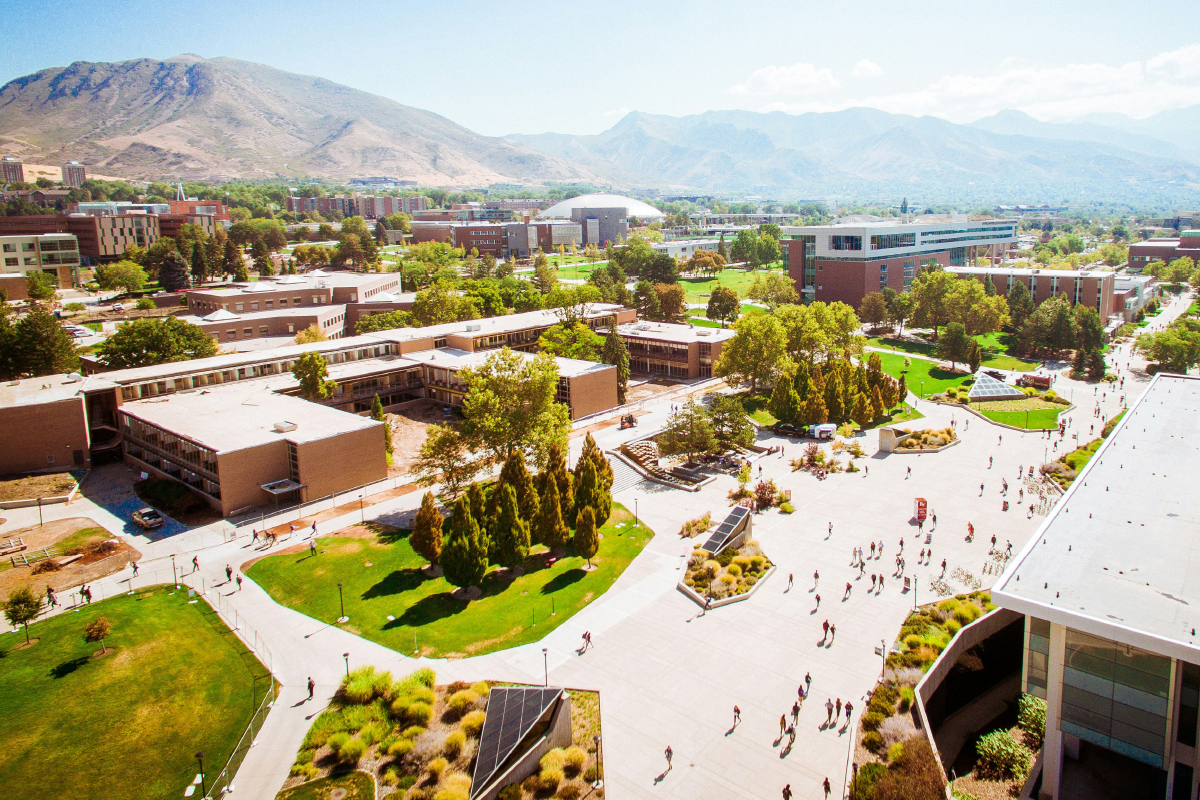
(193, 118)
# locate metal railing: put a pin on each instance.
(223, 783)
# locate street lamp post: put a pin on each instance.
(361, 514)
(342, 602)
(599, 782)
(346, 656)
(914, 593)
(546, 666)
(854, 779)
(174, 578)
(200, 758)
(883, 657)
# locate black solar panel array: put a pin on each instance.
(726, 530)
(511, 712)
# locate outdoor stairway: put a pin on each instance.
(624, 476)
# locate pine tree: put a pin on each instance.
(378, 415)
(816, 382)
(231, 260)
(1081, 360)
(556, 467)
(426, 537)
(587, 538)
(549, 528)
(874, 369)
(974, 356)
(175, 273)
(262, 258)
(801, 382)
(199, 264)
(861, 411)
(514, 474)
(878, 407)
(1096, 365)
(464, 559)
(815, 412)
(785, 403)
(721, 251)
(836, 409)
(901, 392)
(591, 451)
(511, 536)
(586, 486)
(616, 354)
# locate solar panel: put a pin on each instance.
(512, 711)
(988, 388)
(726, 530)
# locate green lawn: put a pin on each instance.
(1011, 363)
(924, 377)
(1041, 419)
(737, 279)
(127, 725)
(995, 347)
(510, 612)
(756, 407)
(356, 785)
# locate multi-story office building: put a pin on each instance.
(523, 239)
(366, 206)
(1092, 288)
(316, 288)
(685, 248)
(847, 262)
(53, 253)
(213, 208)
(1109, 591)
(11, 169)
(518, 205)
(74, 173)
(486, 237)
(101, 238)
(1131, 293)
(677, 351)
(1166, 250)
(602, 226)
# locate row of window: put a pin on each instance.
(889, 241)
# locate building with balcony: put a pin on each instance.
(677, 351)
(1108, 587)
(11, 169)
(54, 253)
(846, 262)
(74, 173)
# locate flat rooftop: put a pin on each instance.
(302, 282)
(674, 332)
(453, 358)
(236, 417)
(1119, 556)
(1029, 272)
(491, 326)
(48, 389)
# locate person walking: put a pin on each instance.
(782, 725)
(872, 549)
(312, 547)
(807, 682)
(134, 565)
(989, 462)
(827, 788)
(908, 474)
(311, 685)
(707, 603)
(239, 582)
(228, 573)
(787, 792)
(873, 581)
(669, 753)
(195, 563)
(943, 567)
(818, 601)
(828, 710)
(253, 535)
(825, 628)
(795, 712)
(847, 592)
(830, 530)
(832, 631)
(737, 715)
(50, 595)
(849, 709)
(789, 586)
(816, 578)
(838, 708)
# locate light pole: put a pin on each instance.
(635, 513)
(883, 657)
(342, 601)
(596, 784)
(361, 514)
(174, 578)
(546, 666)
(914, 593)
(200, 758)
(346, 656)
(854, 779)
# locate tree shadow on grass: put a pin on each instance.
(428, 609)
(560, 582)
(67, 667)
(496, 582)
(386, 534)
(396, 582)
(939, 374)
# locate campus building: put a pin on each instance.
(846, 262)
(1142, 254)
(101, 237)
(1109, 592)
(366, 206)
(486, 237)
(1092, 288)
(677, 351)
(74, 173)
(1131, 293)
(11, 169)
(53, 253)
(523, 239)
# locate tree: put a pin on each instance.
(575, 340)
(97, 631)
(616, 354)
(815, 411)
(874, 309)
(661, 268)
(757, 354)
(514, 474)
(510, 406)
(312, 371)
(929, 298)
(767, 248)
(1020, 304)
(645, 300)
(40, 286)
(785, 403)
(974, 356)
(721, 248)
(968, 303)
(593, 482)
(688, 431)
(22, 608)
(774, 289)
(426, 537)
(744, 248)
(861, 410)
(175, 274)
(39, 345)
(672, 301)
(511, 534)
(232, 262)
(441, 303)
(1173, 350)
(313, 334)
(548, 526)
(1096, 365)
(587, 538)
(835, 390)
(156, 256)
(261, 256)
(545, 277)
(199, 263)
(878, 404)
(1089, 330)
(378, 415)
(443, 457)
(818, 331)
(155, 340)
(464, 559)
(126, 275)
(724, 305)
(954, 345)
(482, 514)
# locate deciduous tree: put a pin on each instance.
(874, 309)
(21, 608)
(723, 305)
(756, 355)
(312, 371)
(443, 458)
(97, 631)
(954, 344)
(155, 340)
(125, 275)
(688, 431)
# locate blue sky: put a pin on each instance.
(528, 67)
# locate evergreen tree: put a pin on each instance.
(861, 412)
(586, 487)
(175, 273)
(785, 403)
(874, 369)
(989, 288)
(835, 408)
(721, 251)
(262, 258)
(199, 264)
(548, 527)
(974, 356)
(378, 415)
(514, 474)
(901, 392)
(231, 260)
(426, 537)
(464, 559)
(878, 408)
(816, 381)
(801, 382)
(511, 536)
(556, 468)
(587, 538)
(815, 412)
(593, 452)
(38, 345)
(616, 354)
(1096, 366)
(479, 511)
(1079, 365)
(1020, 304)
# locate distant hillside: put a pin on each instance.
(864, 152)
(189, 117)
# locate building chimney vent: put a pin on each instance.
(284, 427)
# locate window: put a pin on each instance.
(28, 247)
(254, 306)
(248, 332)
(291, 328)
(283, 302)
(297, 301)
(11, 261)
(845, 242)
(271, 304)
(891, 240)
(262, 330)
(231, 334)
(10, 248)
(239, 307)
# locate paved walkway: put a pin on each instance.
(669, 675)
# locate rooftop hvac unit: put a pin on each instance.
(284, 427)
(474, 327)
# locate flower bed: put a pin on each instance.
(731, 573)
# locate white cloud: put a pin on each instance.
(1166, 81)
(867, 69)
(798, 79)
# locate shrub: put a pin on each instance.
(786, 506)
(337, 740)
(1031, 717)
(456, 787)
(412, 731)
(733, 570)
(352, 751)
(895, 751)
(424, 676)
(967, 613)
(550, 777)
(593, 773)
(511, 792)
(952, 626)
(1002, 757)
(454, 744)
(436, 767)
(462, 701)
(418, 714)
(758, 563)
(400, 748)
(305, 756)
(906, 698)
(569, 791)
(374, 732)
(896, 729)
(865, 780)
(472, 723)
(871, 720)
(481, 688)
(576, 759)
(914, 775)
(872, 741)
(554, 758)
(400, 705)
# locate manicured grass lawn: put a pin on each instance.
(1011, 363)
(1034, 419)
(737, 279)
(357, 785)
(756, 407)
(902, 346)
(127, 725)
(511, 611)
(995, 346)
(924, 377)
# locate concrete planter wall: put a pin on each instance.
(698, 599)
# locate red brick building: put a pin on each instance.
(487, 237)
(1092, 288)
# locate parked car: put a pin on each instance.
(118, 306)
(994, 373)
(147, 518)
(787, 429)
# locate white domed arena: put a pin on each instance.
(633, 208)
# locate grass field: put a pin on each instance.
(737, 279)
(995, 347)
(1041, 419)
(511, 611)
(924, 377)
(127, 725)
